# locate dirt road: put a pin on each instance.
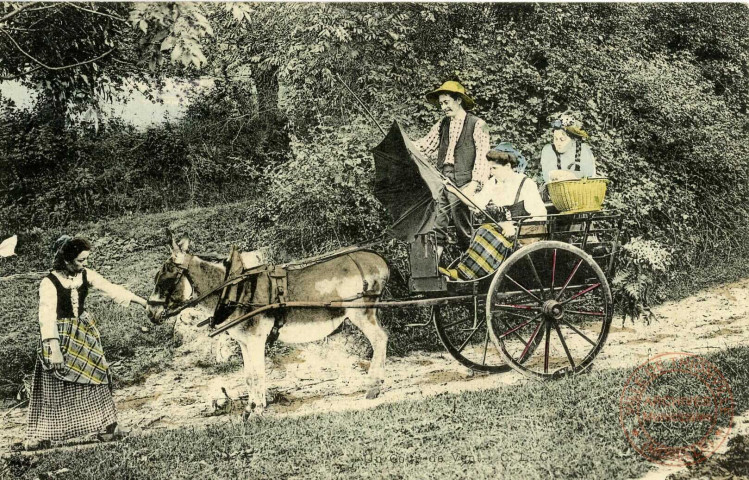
(328, 376)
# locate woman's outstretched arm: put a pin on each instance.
(118, 293)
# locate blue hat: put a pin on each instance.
(60, 242)
(510, 148)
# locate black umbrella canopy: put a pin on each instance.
(407, 184)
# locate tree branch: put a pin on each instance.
(115, 17)
(16, 29)
(64, 67)
(16, 12)
(25, 7)
(22, 74)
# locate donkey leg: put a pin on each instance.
(366, 321)
(253, 355)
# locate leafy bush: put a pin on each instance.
(642, 263)
(322, 199)
(55, 173)
(669, 130)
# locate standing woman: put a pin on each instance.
(71, 390)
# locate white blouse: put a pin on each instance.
(48, 297)
(503, 194)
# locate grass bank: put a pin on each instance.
(563, 429)
(715, 268)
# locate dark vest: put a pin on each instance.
(64, 305)
(465, 149)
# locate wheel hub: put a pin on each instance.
(553, 309)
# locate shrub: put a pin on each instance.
(642, 263)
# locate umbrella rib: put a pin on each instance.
(404, 216)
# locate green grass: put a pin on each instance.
(563, 429)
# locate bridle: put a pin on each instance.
(182, 272)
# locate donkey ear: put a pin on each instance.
(169, 236)
(183, 244)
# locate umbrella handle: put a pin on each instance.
(361, 103)
(463, 197)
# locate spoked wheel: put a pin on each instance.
(549, 308)
(462, 329)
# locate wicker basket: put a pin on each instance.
(573, 196)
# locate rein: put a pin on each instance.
(196, 300)
(298, 265)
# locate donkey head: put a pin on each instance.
(172, 283)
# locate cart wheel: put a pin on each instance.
(549, 307)
(461, 327)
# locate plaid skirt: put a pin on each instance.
(80, 344)
(486, 253)
(59, 410)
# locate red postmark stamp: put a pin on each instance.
(676, 409)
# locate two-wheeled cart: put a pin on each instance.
(545, 312)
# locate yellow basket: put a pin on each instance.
(574, 196)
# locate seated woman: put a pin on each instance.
(567, 157)
(506, 196)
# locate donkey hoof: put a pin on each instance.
(218, 407)
(252, 411)
(249, 415)
(374, 392)
(281, 399)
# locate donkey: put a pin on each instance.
(185, 276)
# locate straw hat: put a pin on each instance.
(571, 125)
(451, 87)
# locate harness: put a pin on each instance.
(240, 284)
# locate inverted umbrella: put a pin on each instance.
(407, 184)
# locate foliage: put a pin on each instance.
(68, 51)
(322, 198)
(661, 88)
(52, 175)
(662, 104)
(231, 143)
(642, 263)
(79, 54)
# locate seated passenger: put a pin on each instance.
(567, 157)
(506, 196)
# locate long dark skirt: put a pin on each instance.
(59, 410)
